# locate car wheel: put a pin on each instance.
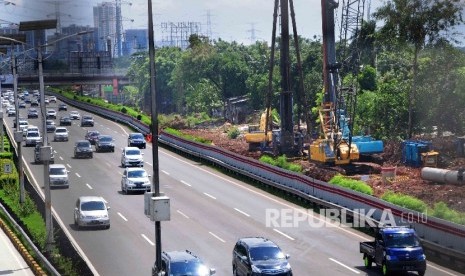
(108, 226)
(367, 261)
(235, 271)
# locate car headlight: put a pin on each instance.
(391, 257)
(288, 266)
(256, 269)
(422, 257)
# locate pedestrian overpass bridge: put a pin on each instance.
(61, 78)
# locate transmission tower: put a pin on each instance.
(209, 26)
(253, 33)
(58, 13)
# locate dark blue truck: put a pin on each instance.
(395, 249)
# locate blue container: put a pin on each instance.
(412, 150)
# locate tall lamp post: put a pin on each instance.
(17, 39)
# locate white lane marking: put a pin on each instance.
(108, 164)
(285, 235)
(147, 239)
(150, 164)
(115, 131)
(220, 239)
(88, 186)
(182, 214)
(442, 270)
(61, 223)
(78, 175)
(165, 172)
(120, 173)
(61, 158)
(119, 214)
(108, 128)
(105, 201)
(118, 125)
(69, 166)
(209, 195)
(242, 212)
(268, 197)
(54, 151)
(343, 265)
(185, 183)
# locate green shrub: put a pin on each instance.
(233, 133)
(88, 100)
(281, 162)
(405, 201)
(139, 117)
(124, 110)
(442, 211)
(352, 184)
(75, 97)
(6, 155)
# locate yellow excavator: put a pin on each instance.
(260, 135)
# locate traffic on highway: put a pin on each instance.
(218, 224)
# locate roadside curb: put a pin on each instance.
(35, 267)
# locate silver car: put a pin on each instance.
(135, 179)
(61, 134)
(91, 211)
(58, 176)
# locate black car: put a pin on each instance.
(136, 139)
(259, 256)
(104, 143)
(32, 113)
(83, 148)
(62, 106)
(65, 121)
(179, 263)
(92, 136)
(50, 125)
(87, 120)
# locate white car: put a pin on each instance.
(135, 179)
(32, 138)
(132, 157)
(91, 211)
(52, 99)
(61, 134)
(74, 115)
(11, 111)
(51, 114)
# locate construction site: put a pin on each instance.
(397, 166)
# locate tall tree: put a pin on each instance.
(417, 22)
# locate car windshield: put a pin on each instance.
(265, 253)
(401, 240)
(105, 139)
(33, 134)
(137, 174)
(188, 268)
(137, 136)
(133, 152)
(92, 206)
(57, 171)
(61, 130)
(83, 145)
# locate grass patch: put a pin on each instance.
(281, 162)
(352, 184)
(187, 136)
(442, 211)
(405, 201)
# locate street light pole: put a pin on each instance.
(154, 130)
(18, 135)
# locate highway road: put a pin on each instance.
(209, 212)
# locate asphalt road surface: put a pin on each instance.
(209, 212)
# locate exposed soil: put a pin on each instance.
(407, 180)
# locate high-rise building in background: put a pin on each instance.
(105, 22)
(135, 40)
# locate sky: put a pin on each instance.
(238, 20)
(231, 20)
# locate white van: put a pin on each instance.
(58, 176)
